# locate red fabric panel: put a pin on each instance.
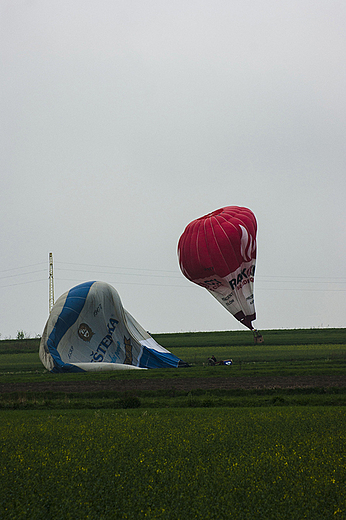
(213, 244)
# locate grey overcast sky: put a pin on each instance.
(123, 120)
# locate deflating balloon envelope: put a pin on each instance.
(89, 330)
(218, 252)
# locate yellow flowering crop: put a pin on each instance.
(247, 463)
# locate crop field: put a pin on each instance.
(264, 438)
(222, 463)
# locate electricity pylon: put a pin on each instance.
(51, 282)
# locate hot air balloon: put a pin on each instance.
(89, 330)
(218, 252)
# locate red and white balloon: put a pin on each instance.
(218, 252)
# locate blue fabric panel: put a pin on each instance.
(73, 305)
(154, 359)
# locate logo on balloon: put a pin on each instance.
(212, 285)
(84, 332)
(102, 348)
(244, 276)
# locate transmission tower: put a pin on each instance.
(51, 282)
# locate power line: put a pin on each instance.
(21, 274)
(23, 267)
(193, 286)
(151, 273)
(186, 286)
(122, 274)
(117, 267)
(259, 279)
(133, 283)
(297, 289)
(22, 283)
(282, 278)
(298, 281)
(271, 278)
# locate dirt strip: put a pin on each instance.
(184, 384)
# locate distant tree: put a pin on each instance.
(20, 334)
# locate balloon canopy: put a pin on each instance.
(218, 252)
(89, 330)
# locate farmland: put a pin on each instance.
(273, 463)
(264, 438)
(304, 366)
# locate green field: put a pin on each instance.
(281, 349)
(275, 463)
(265, 453)
(286, 352)
(289, 353)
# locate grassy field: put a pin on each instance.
(245, 338)
(213, 339)
(285, 352)
(284, 359)
(315, 352)
(298, 345)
